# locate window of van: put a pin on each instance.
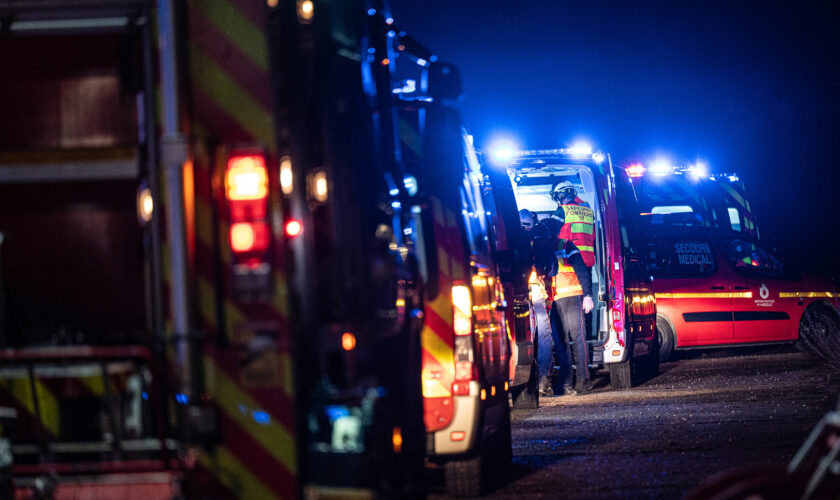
(684, 258)
(734, 218)
(750, 259)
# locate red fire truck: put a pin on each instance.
(245, 254)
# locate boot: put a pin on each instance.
(545, 387)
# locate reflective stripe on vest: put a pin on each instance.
(566, 283)
(579, 228)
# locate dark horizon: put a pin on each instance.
(747, 88)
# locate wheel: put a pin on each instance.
(527, 396)
(465, 478)
(665, 338)
(819, 333)
(623, 375)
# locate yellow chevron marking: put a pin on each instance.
(237, 404)
(410, 137)
(234, 474)
(442, 306)
(281, 294)
(206, 301)
(286, 370)
(786, 295)
(95, 384)
(234, 100)
(21, 390)
(237, 28)
(438, 349)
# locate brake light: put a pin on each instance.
(246, 178)
(461, 310)
(465, 369)
(246, 193)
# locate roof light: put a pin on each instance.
(733, 178)
(698, 171)
(502, 152)
(636, 170)
(598, 157)
(661, 167)
(580, 149)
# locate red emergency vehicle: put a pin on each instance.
(620, 330)
(244, 255)
(715, 282)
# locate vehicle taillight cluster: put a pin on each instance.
(249, 234)
(464, 355)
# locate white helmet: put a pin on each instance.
(563, 190)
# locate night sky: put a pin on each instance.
(752, 88)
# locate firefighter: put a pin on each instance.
(572, 286)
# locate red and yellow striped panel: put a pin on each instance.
(437, 337)
(248, 369)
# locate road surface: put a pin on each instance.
(706, 412)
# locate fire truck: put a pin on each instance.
(246, 253)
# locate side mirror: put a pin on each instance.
(445, 81)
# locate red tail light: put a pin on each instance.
(293, 228)
(246, 193)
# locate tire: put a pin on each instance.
(819, 333)
(623, 375)
(527, 396)
(466, 478)
(665, 338)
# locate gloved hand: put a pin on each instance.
(588, 305)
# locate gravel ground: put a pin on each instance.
(706, 412)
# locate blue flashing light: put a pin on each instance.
(733, 178)
(390, 20)
(433, 58)
(422, 62)
(334, 412)
(580, 149)
(182, 398)
(371, 50)
(261, 417)
(391, 33)
(599, 157)
(145, 395)
(410, 183)
(698, 171)
(416, 209)
(371, 12)
(661, 167)
(394, 191)
(417, 313)
(396, 204)
(402, 33)
(502, 150)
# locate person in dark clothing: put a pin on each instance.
(572, 287)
